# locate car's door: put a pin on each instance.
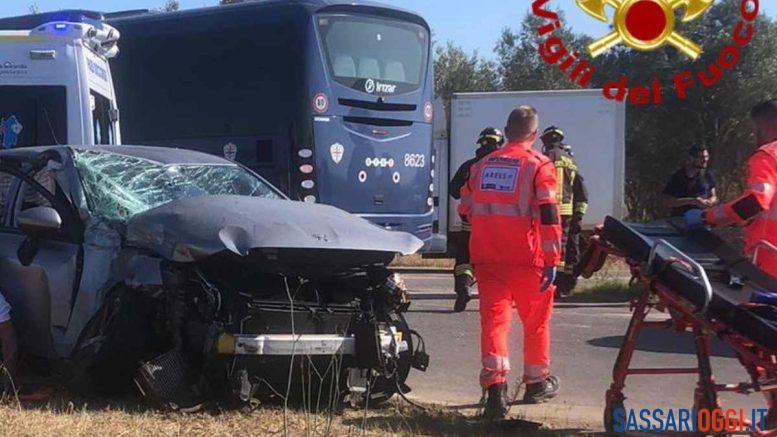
(41, 294)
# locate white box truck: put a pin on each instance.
(594, 127)
(55, 81)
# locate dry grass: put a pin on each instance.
(418, 261)
(66, 419)
(603, 291)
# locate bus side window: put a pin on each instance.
(102, 124)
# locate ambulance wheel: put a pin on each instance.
(609, 413)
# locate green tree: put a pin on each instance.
(521, 67)
(657, 137)
(172, 6)
(456, 71)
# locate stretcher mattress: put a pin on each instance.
(732, 276)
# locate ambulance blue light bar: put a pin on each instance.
(29, 22)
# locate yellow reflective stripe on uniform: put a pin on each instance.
(466, 226)
(581, 208)
(464, 269)
(566, 162)
(565, 209)
(560, 183)
(498, 209)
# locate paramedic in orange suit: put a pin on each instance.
(510, 202)
(756, 208)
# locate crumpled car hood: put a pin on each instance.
(192, 229)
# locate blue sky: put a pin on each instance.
(472, 24)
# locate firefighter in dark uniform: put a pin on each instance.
(573, 204)
(490, 140)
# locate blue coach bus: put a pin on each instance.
(330, 101)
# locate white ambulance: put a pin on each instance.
(55, 82)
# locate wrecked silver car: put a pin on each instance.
(189, 277)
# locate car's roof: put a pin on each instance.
(162, 155)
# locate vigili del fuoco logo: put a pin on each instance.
(645, 25)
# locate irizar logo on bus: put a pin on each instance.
(372, 86)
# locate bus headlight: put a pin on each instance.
(306, 169)
(310, 199)
(308, 185)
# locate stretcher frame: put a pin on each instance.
(759, 362)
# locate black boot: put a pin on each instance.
(496, 402)
(463, 287)
(564, 285)
(543, 391)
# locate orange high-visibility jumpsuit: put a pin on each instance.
(510, 202)
(756, 210)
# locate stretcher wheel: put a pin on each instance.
(609, 413)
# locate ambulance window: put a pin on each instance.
(101, 119)
(32, 116)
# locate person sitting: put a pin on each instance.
(692, 186)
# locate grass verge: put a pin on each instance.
(603, 291)
(64, 418)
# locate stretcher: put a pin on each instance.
(705, 286)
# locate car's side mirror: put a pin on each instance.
(36, 222)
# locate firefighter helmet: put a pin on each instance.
(491, 138)
(552, 136)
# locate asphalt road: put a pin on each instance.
(585, 342)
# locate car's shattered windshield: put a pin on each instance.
(118, 187)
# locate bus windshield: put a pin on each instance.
(362, 50)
